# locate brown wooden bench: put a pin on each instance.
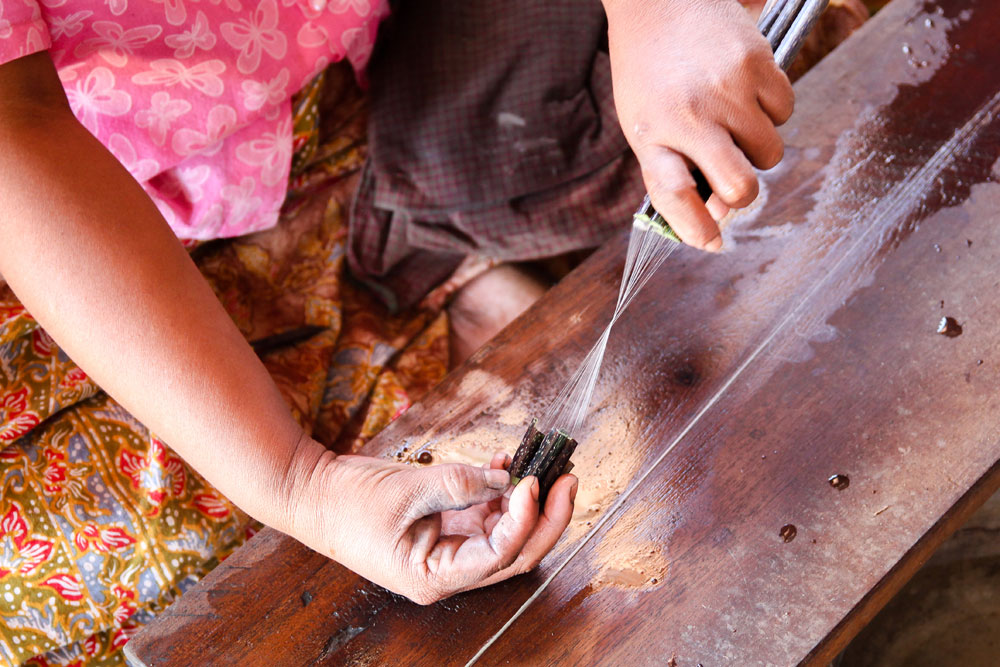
(735, 387)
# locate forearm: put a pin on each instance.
(89, 255)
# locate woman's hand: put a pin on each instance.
(428, 533)
(696, 85)
(90, 256)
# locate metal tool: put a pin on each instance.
(785, 24)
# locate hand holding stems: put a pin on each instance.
(696, 85)
(89, 255)
(428, 533)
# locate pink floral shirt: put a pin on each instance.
(193, 96)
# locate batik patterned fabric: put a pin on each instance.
(101, 524)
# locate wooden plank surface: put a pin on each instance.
(735, 386)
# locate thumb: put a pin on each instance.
(455, 486)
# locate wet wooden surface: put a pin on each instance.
(735, 386)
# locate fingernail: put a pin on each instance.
(535, 488)
(715, 245)
(572, 492)
(720, 214)
(497, 479)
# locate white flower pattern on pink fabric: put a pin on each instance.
(192, 179)
(241, 199)
(96, 95)
(161, 115)
(312, 36)
(231, 5)
(356, 41)
(257, 94)
(114, 43)
(5, 28)
(172, 92)
(71, 73)
(200, 36)
(165, 210)
(321, 64)
(256, 35)
(361, 7)
(68, 26)
(34, 42)
(203, 77)
(214, 219)
(221, 121)
(142, 169)
(174, 11)
(272, 152)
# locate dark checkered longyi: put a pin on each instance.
(492, 132)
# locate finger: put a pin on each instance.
(674, 194)
(757, 137)
(776, 97)
(549, 528)
(514, 526)
(462, 563)
(727, 169)
(425, 533)
(454, 486)
(500, 461)
(717, 208)
(469, 521)
(491, 522)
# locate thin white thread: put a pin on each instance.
(962, 138)
(647, 250)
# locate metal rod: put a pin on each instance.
(777, 33)
(769, 14)
(797, 33)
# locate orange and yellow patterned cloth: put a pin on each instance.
(101, 524)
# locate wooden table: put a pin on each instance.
(735, 386)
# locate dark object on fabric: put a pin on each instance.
(492, 131)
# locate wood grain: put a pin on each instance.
(734, 387)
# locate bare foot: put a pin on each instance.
(490, 301)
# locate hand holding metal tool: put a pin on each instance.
(545, 453)
(785, 24)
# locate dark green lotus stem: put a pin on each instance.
(545, 457)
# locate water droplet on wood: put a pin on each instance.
(839, 482)
(425, 457)
(949, 326)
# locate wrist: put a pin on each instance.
(297, 486)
